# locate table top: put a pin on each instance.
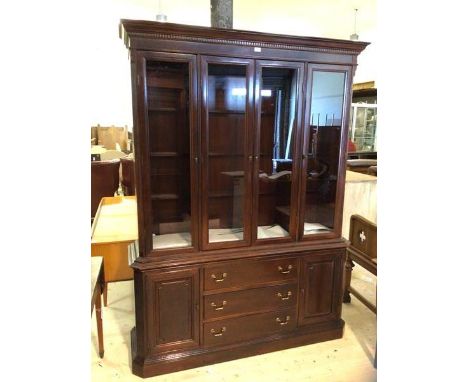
(115, 221)
(96, 264)
(353, 177)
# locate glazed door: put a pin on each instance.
(278, 108)
(166, 152)
(226, 122)
(324, 149)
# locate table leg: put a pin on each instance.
(99, 325)
(348, 271)
(105, 293)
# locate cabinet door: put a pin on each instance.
(166, 152)
(278, 101)
(173, 310)
(321, 288)
(324, 151)
(227, 103)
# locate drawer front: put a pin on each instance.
(249, 272)
(250, 301)
(244, 328)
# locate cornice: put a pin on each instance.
(131, 30)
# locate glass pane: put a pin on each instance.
(169, 140)
(323, 150)
(226, 97)
(277, 129)
(365, 128)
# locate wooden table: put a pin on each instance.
(114, 228)
(97, 281)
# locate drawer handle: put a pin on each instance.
(288, 295)
(218, 280)
(285, 272)
(220, 333)
(285, 322)
(220, 307)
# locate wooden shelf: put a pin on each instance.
(226, 112)
(165, 154)
(163, 109)
(226, 155)
(164, 197)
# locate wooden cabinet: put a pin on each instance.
(173, 302)
(321, 287)
(240, 150)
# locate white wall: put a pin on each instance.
(110, 98)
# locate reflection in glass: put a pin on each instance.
(277, 129)
(323, 150)
(169, 144)
(226, 98)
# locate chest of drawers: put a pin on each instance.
(216, 311)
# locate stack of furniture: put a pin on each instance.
(111, 137)
(240, 158)
(104, 181)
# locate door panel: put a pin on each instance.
(279, 94)
(227, 88)
(324, 151)
(321, 288)
(168, 196)
(173, 309)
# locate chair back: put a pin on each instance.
(104, 181)
(128, 175)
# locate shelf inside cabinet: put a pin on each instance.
(164, 197)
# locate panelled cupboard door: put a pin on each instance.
(321, 288)
(325, 131)
(278, 108)
(173, 310)
(167, 151)
(226, 143)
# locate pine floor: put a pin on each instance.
(349, 359)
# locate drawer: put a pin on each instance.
(244, 273)
(250, 301)
(244, 328)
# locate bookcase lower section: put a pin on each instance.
(171, 362)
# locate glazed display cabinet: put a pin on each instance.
(363, 128)
(240, 150)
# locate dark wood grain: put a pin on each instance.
(267, 294)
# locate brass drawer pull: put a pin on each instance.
(285, 322)
(280, 268)
(220, 307)
(218, 280)
(220, 333)
(288, 295)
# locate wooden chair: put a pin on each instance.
(362, 250)
(128, 175)
(104, 181)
